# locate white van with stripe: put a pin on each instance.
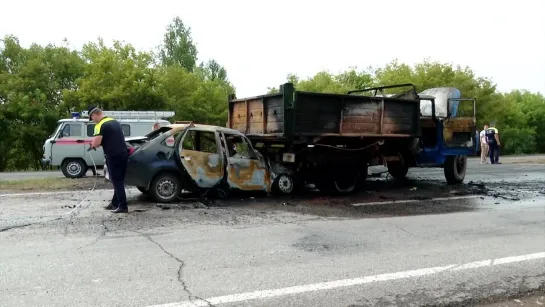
(67, 146)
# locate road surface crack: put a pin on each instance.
(16, 226)
(27, 224)
(398, 227)
(103, 231)
(192, 298)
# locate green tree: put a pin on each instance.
(32, 84)
(118, 78)
(178, 47)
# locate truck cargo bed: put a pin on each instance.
(291, 114)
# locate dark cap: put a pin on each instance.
(91, 110)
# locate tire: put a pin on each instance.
(398, 170)
(363, 175)
(143, 190)
(165, 187)
(73, 168)
(455, 169)
(284, 184)
(333, 185)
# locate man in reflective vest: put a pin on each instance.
(109, 135)
(493, 141)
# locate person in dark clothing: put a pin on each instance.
(109, 135)
(493, 140)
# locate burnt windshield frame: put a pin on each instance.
(155, 133)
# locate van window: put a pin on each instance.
(126, 129)
(90, 130)
(72, 130)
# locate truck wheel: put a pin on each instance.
(455, 169)
(340, 184)
(165, 187)
(363, 175)
(143, 190)
(74, 168)
(398, 170)
(284, 184)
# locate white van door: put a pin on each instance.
(68, 148)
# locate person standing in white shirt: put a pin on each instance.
(484, 145)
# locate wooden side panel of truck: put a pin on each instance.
(294, 114)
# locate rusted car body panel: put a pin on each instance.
(206, 169)
(291, 114)
(249, 175)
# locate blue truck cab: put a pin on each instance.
(448, 131)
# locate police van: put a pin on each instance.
(67, 146)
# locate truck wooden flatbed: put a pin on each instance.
(301, 117)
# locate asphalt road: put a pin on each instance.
(420, 243)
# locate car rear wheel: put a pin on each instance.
(143, 190)
(284, 184)
(165, 187)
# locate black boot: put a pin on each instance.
(110, 206)
(120, 210)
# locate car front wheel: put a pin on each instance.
(165, 187)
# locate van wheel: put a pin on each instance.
(74, 168)
(165, 187)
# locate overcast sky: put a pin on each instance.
(260, 42)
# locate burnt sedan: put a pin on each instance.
(196, 158)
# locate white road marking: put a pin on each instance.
(406, 201)
(59, 192)
(263, 294)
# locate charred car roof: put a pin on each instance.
(211, 128)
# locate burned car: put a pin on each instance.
(196, 158)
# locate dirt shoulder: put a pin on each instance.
(522, 159)
(529, 300)
(52, 184)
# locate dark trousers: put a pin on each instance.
(117, 167)
(494, 152)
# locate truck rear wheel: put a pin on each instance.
(340, 180)
(398, 170)
(455, 169)
(73, 168)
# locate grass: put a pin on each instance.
(51, 184)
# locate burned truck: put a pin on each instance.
(330, 140)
